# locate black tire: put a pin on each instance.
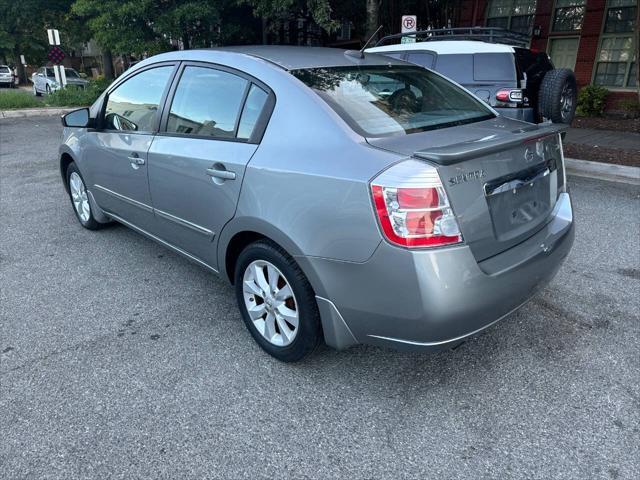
(90, 223)
(48, 89)
(558, 87)
(36, 92)
(309, 330)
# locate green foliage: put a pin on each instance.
(320, 10)
(77, 97)
(146, 27)
(10, 99)
(591, 100)
(23, 27)
(122, 26)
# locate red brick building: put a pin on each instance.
(595, 38)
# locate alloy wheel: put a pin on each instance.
(79, 197)
(566, 102)
(270, 303)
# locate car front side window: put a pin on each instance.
(133, 105)
(207, 103)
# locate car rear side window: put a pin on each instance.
(424, 59)
(385, 100)
(494, 67)
(457, 67)
(207, 103)
(133, 105)
(251, 111)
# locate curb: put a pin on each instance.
(603, 171)
(36, 112)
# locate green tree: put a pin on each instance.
(270, 10)
(23, 27)
(126, 26)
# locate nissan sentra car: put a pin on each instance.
(351, 198)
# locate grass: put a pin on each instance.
(11, 99)
(68, 97)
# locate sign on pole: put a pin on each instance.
(409, 24)
(22, 60)
(56, 55)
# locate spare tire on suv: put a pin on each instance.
(557, 97)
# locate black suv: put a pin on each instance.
(495, 65)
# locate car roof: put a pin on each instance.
(293, 58)
(446, 47)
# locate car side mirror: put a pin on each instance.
(77, 119)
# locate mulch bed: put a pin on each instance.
(606, 155)
(607, 123)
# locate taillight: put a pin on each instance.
(508, 95)
(412, 206)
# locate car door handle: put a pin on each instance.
(136, 161)
(222, 174)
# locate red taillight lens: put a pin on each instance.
(414, 216)
(509, 95)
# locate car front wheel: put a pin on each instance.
(277, 302)
(80, 198)
(35, 91)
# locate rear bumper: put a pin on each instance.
(524, 114)
(432, 299)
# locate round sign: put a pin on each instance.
(409, 22)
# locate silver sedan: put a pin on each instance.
(44, 80)
(349, 197)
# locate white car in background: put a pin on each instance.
(44, 80)
(6, 77)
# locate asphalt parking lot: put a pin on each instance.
(120, 359)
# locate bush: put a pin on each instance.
(77, 97)
(10, 99)
(591, 101)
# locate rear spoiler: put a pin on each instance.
(459, 152)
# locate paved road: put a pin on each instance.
(123, 360)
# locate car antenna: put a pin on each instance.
(360, 53)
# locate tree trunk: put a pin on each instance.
(638, 53)
(186, 45)
(107, 64)
(373, 8)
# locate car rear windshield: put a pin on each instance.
(379, 101)
(5, 70)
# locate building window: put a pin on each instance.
(568, 15)
(516, 15)
(616, 58)
(621, 16)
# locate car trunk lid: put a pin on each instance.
(502, 177)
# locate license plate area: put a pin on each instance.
(520, 202)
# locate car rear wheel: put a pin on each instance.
(558, 94)
(48, 89)
(80, 198)
(277, 302)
